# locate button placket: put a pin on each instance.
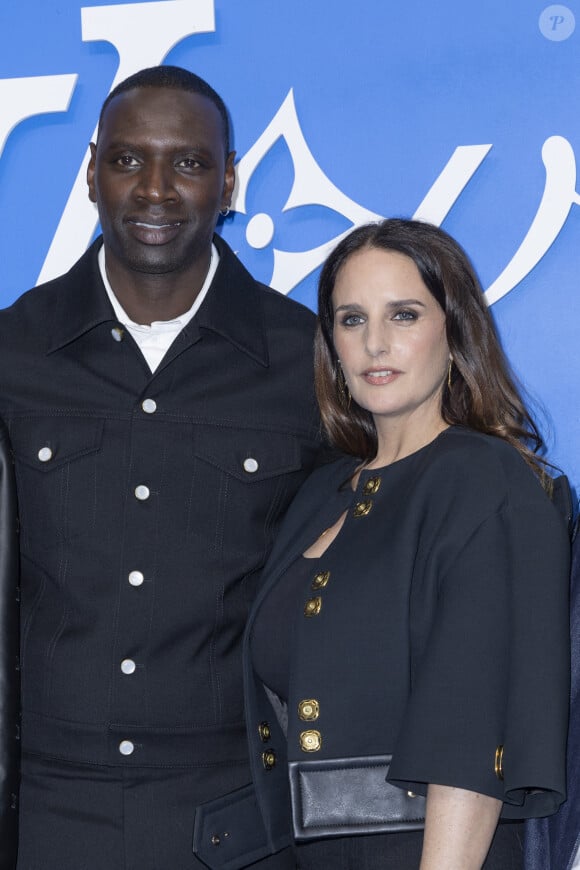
(131, 651)
(363, 507)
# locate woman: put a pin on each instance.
(410, 638)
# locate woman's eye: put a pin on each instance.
(351, 319)
(406, 314)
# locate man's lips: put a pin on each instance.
(154, 232)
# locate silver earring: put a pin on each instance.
(225, 211)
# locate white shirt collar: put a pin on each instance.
(155, 340)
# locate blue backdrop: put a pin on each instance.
(464, 114)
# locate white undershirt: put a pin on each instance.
(154, 341)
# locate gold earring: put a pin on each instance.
(344, 396)
(449, 367)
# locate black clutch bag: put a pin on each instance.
(342, 797)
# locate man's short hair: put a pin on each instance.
(176, 78)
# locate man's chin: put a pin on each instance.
(155, 267)
(157, 261)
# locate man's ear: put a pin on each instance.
(229, 180)
(91, 173)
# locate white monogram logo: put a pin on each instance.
(165, 23)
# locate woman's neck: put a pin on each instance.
(400, 442)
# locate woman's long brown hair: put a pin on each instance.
(482, 392)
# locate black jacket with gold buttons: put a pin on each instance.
(430, 646)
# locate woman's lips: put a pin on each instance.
(379, 377)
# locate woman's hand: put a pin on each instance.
(459, 827)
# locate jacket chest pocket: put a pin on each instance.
(57, 473)
(243, 481)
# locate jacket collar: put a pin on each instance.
(232, 307)
(82, 302)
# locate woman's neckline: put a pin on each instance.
(365, 470)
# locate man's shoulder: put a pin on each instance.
(235, 283)
(38, 304)
(278, 304)
(33, 305)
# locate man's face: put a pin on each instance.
(159, 176)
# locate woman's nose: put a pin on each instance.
(376, 339)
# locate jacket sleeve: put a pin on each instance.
(9, 660)
(489, 704)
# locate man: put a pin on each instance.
(161, 412)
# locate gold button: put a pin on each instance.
(310, 741)
(362, 508)
(320, 580)
(264, 732)
(309, 709)
(498, 763)
(372, 486)
(269, 759)
(313, 606)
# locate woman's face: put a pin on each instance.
(389, 334)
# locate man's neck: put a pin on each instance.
(152, 313)
(147, 298)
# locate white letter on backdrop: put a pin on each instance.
(22, 98)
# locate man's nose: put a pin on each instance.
(156, 182)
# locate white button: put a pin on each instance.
(117, 333)
(45, 454)
(250, 465)
(142, 492)
(126, 747)
(136, 578)
(149, 406)
(128, 666)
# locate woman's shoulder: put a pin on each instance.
(461, 444)
(484, 465)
